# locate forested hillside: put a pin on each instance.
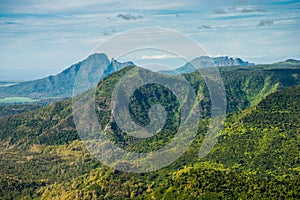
(255, 157)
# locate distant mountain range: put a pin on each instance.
(289, 62)
(205, 61)
(61, 85)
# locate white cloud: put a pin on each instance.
(77, 26)
(162, 56)
(79, 6)
(54, 6)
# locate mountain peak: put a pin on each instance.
(229, 61)
(61, 85)
(206, 61)
(289, 62)
(98, 56)
(292, 61)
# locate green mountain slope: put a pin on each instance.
(41, 155)
(54, 124)
(264, 138)
(256, 157)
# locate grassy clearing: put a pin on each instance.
(16, 100)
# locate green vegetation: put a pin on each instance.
(7, 109)
(231, 171)
(256, 156)
(12, 109)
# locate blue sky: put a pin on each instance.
(39, 37)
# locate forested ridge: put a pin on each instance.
(256, 156)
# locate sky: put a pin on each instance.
(39, 38)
